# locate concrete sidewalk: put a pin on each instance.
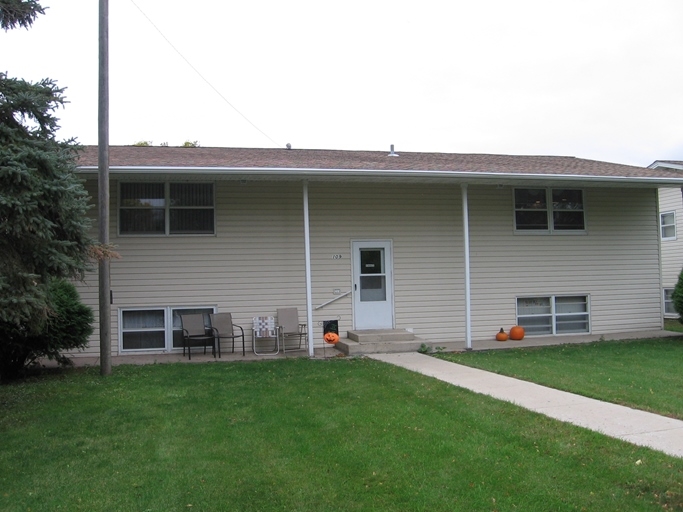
(630, 425)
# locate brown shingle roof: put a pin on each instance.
(294, 159)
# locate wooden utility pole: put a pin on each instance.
(103, 183)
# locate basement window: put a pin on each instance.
(554, 315)
(155, 329)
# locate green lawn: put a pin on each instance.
(673, 324)
(644, 374)
(304, 435)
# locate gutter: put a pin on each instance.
(468, 176)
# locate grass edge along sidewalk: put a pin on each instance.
(300, 434)
(642, 374)
(617, 421)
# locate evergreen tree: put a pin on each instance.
(43, 205)
(18, 13)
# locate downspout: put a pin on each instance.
(309, 293)
(466, 243)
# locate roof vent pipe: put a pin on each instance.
(391, 152)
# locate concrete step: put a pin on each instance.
(380, 335)
(376, 341)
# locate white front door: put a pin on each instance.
(373, 292)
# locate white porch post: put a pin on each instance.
(466, 244)
(309, 293)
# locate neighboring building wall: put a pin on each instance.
(255, 263)
(671, 200)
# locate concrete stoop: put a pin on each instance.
(376, 341)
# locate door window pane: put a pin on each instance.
(371, 261)
(373, 288)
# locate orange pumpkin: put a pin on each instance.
(501, 336)
(331, 337)
(516, 333)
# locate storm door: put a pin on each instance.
(373, 294)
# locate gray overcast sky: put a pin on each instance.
(598, 79)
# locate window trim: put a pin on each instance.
(549, 211)
(167, 208)
(553, 315)
(168, 327)
(662, 226)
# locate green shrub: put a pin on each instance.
(68, 326)
(677, 297)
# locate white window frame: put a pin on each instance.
(549, 212)
(662, 225)
(554, 315)
(167, 329)
(167, 208)
(668, 301)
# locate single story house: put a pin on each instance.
(447, 246)
(670, 225)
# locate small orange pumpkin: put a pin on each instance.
(517, 333)
(501, 336)
(331, 337)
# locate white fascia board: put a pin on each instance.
(662, 164)
(466, 176)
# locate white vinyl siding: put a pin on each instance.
(616, 263)
(424, 224)
(255, 262)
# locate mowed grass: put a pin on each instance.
(304, 435)
(673, 324)
(643, 374)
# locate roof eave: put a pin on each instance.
(341, 174)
